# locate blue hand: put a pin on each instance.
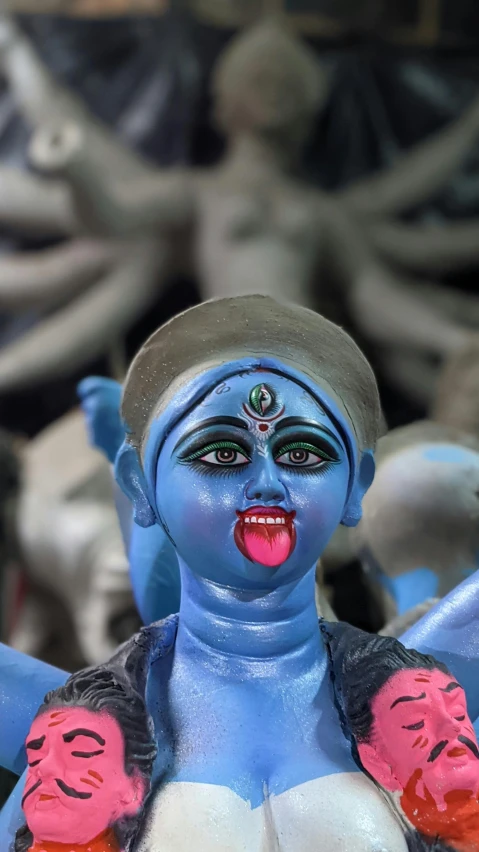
(101, 400)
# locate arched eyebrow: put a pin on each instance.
(287, 422)
(450, 686)
(83, 732)
(407, 698)
(211, 421)
(36, 745)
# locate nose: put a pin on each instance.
(45, 768)
(450, 727)
(266, 486)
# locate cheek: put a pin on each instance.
(196, 503)
(319, 499)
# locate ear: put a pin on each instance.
(377, 767)
(131, 798)
(131, 479)
(363, 479)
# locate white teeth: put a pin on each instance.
(252, 519)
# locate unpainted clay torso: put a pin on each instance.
(249, 221)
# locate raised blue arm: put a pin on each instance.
(153, 564)
(24, 683)
(450, 631)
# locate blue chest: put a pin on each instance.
(249, 732)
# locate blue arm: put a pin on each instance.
(101, 403)
(450, 631)
(153, 565)
(24, 682)
(11, 816)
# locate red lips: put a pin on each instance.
(266, 535)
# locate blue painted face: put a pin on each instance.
(252, 483)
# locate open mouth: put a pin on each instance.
(266, 535)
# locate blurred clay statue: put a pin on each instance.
(419, 533)
(248, 225)
(79, 594)
(457, 395)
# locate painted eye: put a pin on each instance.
(300, 457)
(226, 456)
(416, 727)
(460, 718)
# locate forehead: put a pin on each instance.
(265, 394)
(60, 720)
(413, 682)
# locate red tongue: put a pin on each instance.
(267, 545)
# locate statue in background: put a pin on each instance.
(248, 224)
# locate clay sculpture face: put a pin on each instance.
(260, 464)
(421, 723)
(90, 751)
(77, 786)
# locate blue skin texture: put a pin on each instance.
(153, 564)
(411, 588)
(229, 632)
(248, 654)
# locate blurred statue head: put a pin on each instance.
(269, 82)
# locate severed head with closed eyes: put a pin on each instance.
(408, 717)
(90, 751)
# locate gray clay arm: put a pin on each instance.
(419, 173)
(110, 204)
(38, 279)
(385, 308)
(428, 248)
(76, 334)
(44, 100)
(34, 205)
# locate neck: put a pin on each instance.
(262, 629)
(255, 153)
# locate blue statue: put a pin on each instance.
(154, 566)
(251, 427)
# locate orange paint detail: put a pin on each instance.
(91, 783)
(425, 743)
(457, 825)
(95, 775)
(416, 742)
(105, 843)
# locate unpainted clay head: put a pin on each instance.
(422, 511)
(268, 81)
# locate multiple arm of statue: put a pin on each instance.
(99, 287)
(347, 245)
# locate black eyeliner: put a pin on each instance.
(316, 441)
(204, 441)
